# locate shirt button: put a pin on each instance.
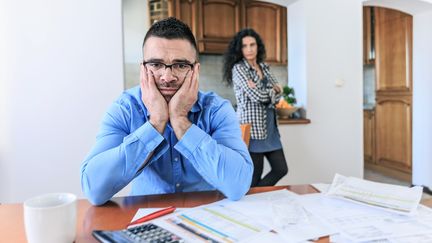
(176, 159)
(178, 185)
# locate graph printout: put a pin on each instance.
(217, 223)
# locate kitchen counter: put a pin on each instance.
(293, 121)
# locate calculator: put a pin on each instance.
(146, 233)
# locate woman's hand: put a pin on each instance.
(251, 84)
(277, 88)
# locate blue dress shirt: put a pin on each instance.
(211, 154)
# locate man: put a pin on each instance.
(165, 136)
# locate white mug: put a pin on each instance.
(50, 218)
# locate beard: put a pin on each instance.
(168, 90)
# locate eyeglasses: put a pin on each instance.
(178, 69)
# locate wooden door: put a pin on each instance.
(269, 20)
(393, 51)
(219, 21)
(393, 132)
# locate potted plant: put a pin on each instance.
(289, 95)
(286, 107)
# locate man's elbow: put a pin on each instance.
(94, 196)
(240, 189)
(96, 200)
(238, 193)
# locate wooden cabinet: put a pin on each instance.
(186, 11)
(270, 21)
(215, 22)
(369, 135)
(368, 35)
(393, 51)
(218, 21)
(393, 132)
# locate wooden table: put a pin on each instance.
(117, 213)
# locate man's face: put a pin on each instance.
(159, 51)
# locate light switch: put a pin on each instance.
(339, 82)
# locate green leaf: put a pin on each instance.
(289, 95)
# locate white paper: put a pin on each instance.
(145, 211)
(399, 199)
(258, 206)
(321, 187)
(213, 221)
(360, 223)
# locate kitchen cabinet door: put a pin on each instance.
(368, 36)
(186, 11)
(270, 21)
(393, 132)
(393, 51)
(218, 22)
(369, 136)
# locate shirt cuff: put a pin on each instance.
(190, 141)
(150, 140)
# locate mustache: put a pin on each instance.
(168, 85)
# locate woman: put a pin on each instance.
(257, 92)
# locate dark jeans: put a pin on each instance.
(278, 165)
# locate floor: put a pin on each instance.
(378, 177)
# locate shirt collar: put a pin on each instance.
(262, 64)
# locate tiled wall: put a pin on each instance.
(369, 86)
(210, 76)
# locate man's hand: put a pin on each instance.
(153, 100)
(277, 88)
(181, 103)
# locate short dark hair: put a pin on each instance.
(171, 28)
(234, 52)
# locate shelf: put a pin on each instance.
(293, 121)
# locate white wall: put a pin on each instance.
(63, 70)
(408, 6)
(327, 49)
(4, 111)
(422, 99)
(135, 26)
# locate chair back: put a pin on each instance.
(245, 129)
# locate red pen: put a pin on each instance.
(153, 215)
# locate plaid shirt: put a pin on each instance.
(253, 102)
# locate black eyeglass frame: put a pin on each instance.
(191, 65)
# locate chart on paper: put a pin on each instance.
(218, 224)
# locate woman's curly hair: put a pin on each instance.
(234, 52)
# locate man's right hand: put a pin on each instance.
(153, 100)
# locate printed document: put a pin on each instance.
(399, 199)
(360, 223)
